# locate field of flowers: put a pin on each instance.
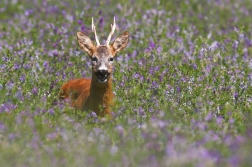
(183, 84)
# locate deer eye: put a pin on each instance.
(94, 59)
(111, 59)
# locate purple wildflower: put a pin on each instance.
(51, 111)
(79, 22)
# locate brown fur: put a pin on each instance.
(87, 94)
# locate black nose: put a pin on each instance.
(102, 72)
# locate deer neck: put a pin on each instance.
(101, 91)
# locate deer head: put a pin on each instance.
(102, 56)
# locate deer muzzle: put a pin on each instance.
(102, 75)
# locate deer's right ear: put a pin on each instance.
(85, 43)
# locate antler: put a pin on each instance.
(113, 26)
(94, 31)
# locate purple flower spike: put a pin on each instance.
(79, 22)
(83, 28)
(152, 45)
(51, 111)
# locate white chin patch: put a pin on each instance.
(102, 81)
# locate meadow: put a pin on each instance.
(183, 84)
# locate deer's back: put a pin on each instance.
(75, 88)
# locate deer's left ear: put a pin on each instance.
(120, 42)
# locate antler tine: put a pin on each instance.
(113, 26)
(94, 31)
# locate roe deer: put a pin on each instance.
(95, 93)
